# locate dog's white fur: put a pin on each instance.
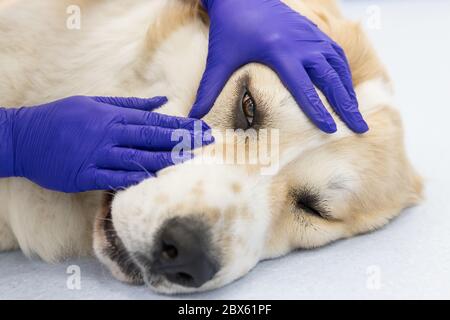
(366, 180)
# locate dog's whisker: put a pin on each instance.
(143, 168)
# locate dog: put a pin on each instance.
(199, 225)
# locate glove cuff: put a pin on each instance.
(7, 153)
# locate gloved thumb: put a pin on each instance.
(149, 104)
(213, 81)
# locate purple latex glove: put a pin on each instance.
(88, 143)
(271, 33)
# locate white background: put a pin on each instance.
(410, 258)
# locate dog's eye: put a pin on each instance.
(248, 107)
(308, 208)
(309, 200)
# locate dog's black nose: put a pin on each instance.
(183, 254)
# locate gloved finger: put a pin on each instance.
(133, 102)
(299, 84)
(171, 122)
(149, 118)
(145, 137)
(137, 160)
(340, 63)
(342, 67)
(212, 83)
(328, 81)
(359, 124)
(137, 117)
(158, 139)
(114, 180)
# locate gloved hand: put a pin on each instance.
(269, 32)
(88, 143)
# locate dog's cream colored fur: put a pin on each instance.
(158, 48)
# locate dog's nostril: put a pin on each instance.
(169, 251)
(184, 254)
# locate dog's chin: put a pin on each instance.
(159, 284)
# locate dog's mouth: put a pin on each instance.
(110, 249)
(180, 257)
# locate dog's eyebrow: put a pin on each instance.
(340, 183)
(337, 184)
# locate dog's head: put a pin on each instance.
(205, 223)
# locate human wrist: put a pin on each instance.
(7, 152)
